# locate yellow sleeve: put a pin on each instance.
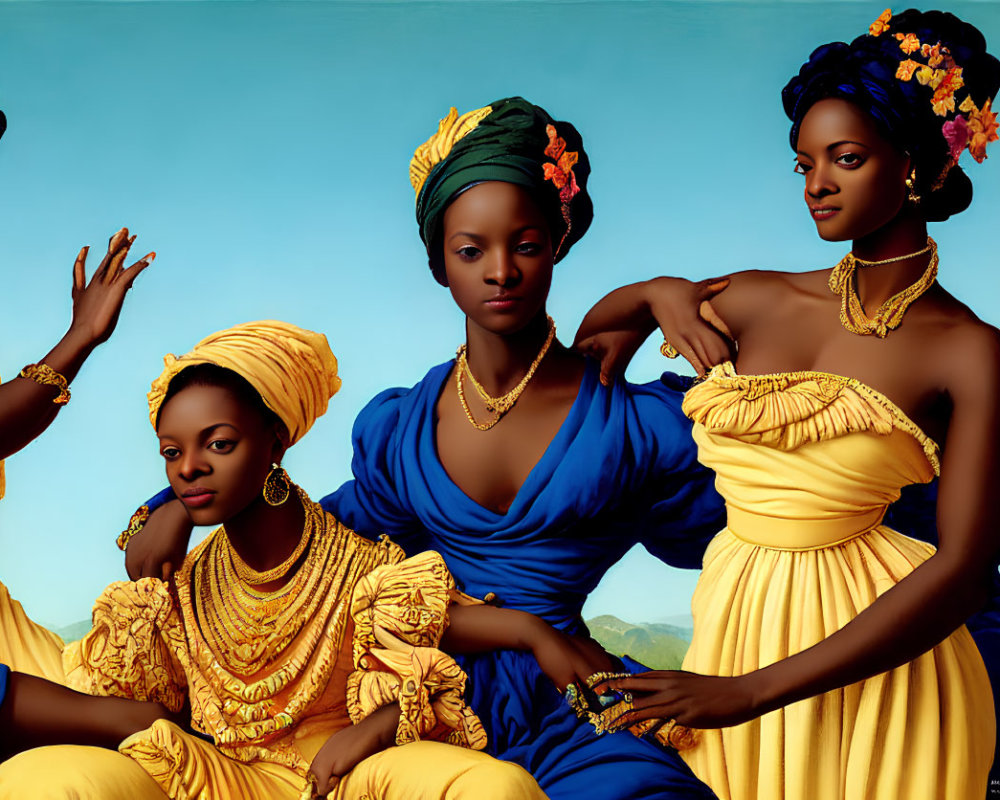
(132, 649)
(400, 613)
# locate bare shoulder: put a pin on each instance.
(970, 350)
(755, 291)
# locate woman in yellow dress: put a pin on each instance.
(303, 651)
(829, 659)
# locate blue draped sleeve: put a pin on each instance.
(371, 503)
(672, 506)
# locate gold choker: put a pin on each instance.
(498, 406)
(890, 313)
(862, 263)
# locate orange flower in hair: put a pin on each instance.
(906, 69)
(908, 42)
(561, 172)
(983, 127)
(881, 25)
(932, 53)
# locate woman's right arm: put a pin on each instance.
(28, 405)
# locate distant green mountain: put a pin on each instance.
(657, 645)
(72, 632)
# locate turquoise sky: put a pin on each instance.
(262, 150)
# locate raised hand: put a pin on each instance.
(97, 304)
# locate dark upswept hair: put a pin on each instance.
(864, 73)
(233, 382)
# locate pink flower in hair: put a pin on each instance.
(956, 134)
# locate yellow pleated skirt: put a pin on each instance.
(922, 731)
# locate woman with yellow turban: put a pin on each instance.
(302, 651)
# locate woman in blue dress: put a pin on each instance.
(514, 461)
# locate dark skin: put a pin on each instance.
(498, 261)
(941, 367)
(36, 711)
(26, 407)
(218, 452)
(496, 245)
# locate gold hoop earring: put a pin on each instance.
(911, 191)
(276, 486)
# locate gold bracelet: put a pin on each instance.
(46, 376)
(135, 525)
(668, 349)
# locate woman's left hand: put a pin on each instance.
(696, 701)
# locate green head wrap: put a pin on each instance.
(513, 141)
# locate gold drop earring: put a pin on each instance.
(276, 486)
(912, 197)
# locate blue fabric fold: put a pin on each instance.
(621, 470)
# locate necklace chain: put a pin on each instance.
(241, 623)
(889, 315)
(863, 263)
(498, 406)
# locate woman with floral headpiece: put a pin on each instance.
(514, 461)
(829, 656)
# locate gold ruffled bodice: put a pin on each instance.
(835, 454)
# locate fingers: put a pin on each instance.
(80, 269)
(166, 571)
(130, 274)
(707, 312)
(709, 288)
(114, 243)
(115, 265)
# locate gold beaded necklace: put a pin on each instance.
(239, 621)
(498, 406)
(890, 314)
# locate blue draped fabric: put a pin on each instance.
(621, 470)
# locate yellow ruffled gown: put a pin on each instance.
(808, 463)
(269, 677)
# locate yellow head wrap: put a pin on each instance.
(293, 369)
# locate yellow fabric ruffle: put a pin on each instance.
(253, 717)
(788, 409)
(807, 463)
(132, 649)
(400, 614)
(292, 369)
(436, 149)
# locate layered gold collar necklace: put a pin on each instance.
(890, 314)
(497, 406)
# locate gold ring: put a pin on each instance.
(668, 350)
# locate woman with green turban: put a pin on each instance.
(514, 461)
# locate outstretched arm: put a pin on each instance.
(26, 404)
(905, 621)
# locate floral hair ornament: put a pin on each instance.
(932, 65)
(561, 175)
(436, 149)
